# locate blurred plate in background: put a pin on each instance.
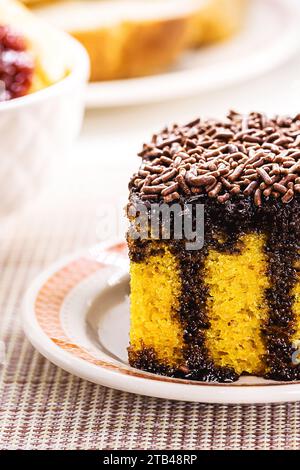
(270, 36)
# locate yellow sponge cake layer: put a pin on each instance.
(236, 306)
(155, 294)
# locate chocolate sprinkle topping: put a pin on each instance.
(250, 155)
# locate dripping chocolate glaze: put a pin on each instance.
(234, 216)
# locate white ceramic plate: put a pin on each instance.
(270, 37)
(77, 315)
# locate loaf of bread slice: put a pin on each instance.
(50, 65)
(131, 38)
(125, 38)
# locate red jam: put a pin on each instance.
(16, 65)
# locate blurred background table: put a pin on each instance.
(43, 407)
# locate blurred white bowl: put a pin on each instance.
(38, 128)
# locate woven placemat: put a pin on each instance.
(43, 407)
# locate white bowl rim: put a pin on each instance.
(79, 71)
